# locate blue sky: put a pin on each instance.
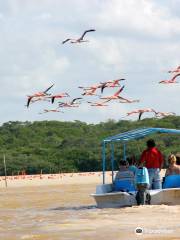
(136, 40)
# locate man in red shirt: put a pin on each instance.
(153, 160)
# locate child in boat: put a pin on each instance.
(173, 168)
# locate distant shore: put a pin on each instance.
(57, 179)
(54, 179)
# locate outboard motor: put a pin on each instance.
(142, 184)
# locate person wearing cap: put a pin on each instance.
(153, 160)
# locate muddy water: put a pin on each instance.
(68, 212)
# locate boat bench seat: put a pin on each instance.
(172, 181)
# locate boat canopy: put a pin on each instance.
(125, 137)
(139, 133)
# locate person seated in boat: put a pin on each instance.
(173, 168)
(132, 164)
(153, 160)
(124, 179)
(124, 173)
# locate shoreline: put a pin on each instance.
(57, 179)
(53, 179)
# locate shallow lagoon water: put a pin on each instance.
(69, 212)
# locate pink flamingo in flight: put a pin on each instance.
(164, 114)
(111, 83)
(125, 100)
(39, 94)
(90, 92)
(60, 95)
(37, 99)
(51, 110)
(79, 40)
(115, 96)
(95, 86)
(70, 104)
(140, 112)
(98, 104)
(172, 80)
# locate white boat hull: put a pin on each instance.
(106, 198)
(169, 196)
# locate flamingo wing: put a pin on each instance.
(118, 80)
(120, 90)
(52, 99)
(140, 114)
(48, 88)
(125, 99)
(28, 102)
(90, 30)
(68, 39)
(103, 86)
(108, 100)
(74, 100)
(175, 76)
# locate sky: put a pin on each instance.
(135, 40)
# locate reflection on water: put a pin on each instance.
(68, 212)
(75, 208)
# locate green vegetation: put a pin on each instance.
(55, 146)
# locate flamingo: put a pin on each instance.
(90, 92)
(51, 110)
(172, 80)
(115, 96)
(60, 95)
(70, 104)
(36, 99)
(63, 104)
(91, 87)
(111, 83)
(79, 40)
(177, 70)
(124, 100)
(39, 94)
(98, 104)
(164, 114)
(141, 111)
(74, 100)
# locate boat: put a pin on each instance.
(106, 196)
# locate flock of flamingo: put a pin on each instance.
(92, 91)
(57, 176)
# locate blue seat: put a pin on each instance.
(124, 185)
(142, 176)
(172, 181)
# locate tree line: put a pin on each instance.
(57, 146)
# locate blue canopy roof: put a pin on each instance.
(139, 133)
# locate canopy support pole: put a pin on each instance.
(104, 160)
(124, 152)
(112, 160)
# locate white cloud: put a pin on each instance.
(142, 19)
